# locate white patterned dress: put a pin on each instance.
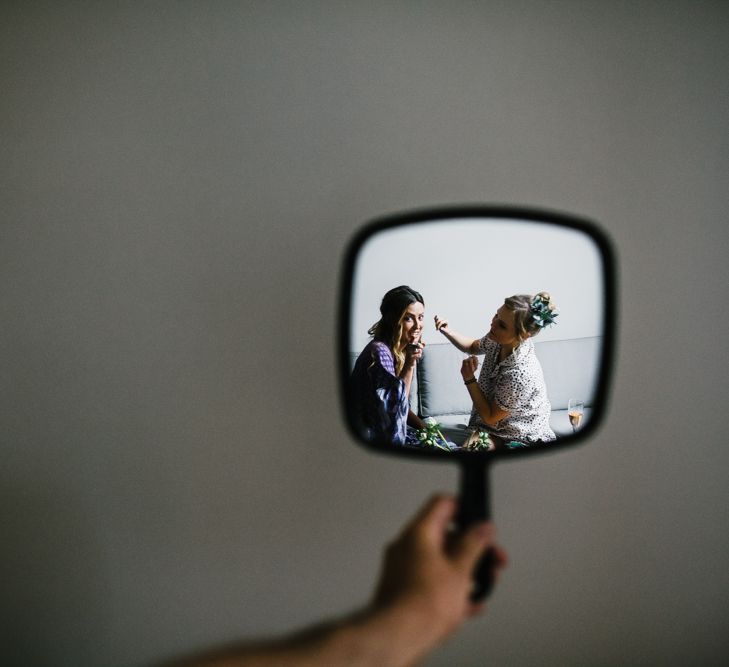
(515, 385)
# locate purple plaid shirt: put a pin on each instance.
(381, 404)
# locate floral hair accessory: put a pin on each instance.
(542, 314)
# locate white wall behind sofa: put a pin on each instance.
(465, 269)
(179, 182)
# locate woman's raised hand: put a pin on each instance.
(413, 353)
(441, 324)
(468, 367)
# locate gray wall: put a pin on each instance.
(178, 183)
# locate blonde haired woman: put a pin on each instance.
(509, 398)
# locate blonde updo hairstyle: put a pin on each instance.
(524, 322)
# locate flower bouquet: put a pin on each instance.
(478, 441)
(431, 435)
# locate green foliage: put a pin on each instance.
(479, 441)
(431, 436)
(542, 313)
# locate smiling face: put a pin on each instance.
(502, 329)
(411, 324)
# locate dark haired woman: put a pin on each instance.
(510, 397)
(384, 370)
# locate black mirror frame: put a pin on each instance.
(439, 214)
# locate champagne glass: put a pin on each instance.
(575, 410)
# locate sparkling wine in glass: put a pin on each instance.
(575, 410)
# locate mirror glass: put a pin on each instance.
(501, 375)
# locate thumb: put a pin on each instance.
(472, 544)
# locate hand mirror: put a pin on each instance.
(470, 334)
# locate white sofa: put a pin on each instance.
(570, 371)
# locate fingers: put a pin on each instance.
(433, 519)
(440, 324)
(472, 544)
(415, 354)
(476, 608)
(501, 558)
(414, 350)
(469, 366)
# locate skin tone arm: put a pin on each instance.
(463, 343)
(421, 600)
(406, 375)
(412, 356)
(489, 412)
(414, 420)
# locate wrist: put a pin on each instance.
(377, 637)
(406, 633)
(470, 380)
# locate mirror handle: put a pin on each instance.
(474, 505)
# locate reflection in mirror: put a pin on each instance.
(475, 334)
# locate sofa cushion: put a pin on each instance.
(570, 369)
(442, 391)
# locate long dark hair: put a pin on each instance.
(388, 329)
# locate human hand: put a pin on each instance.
(413, 353)
(428, 571)
(468, 367)
(441, 324)
(422, 597)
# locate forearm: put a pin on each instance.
(388, 637)
(463, 343)
(421, 599)
(414, 420)
(406, 375)
(395, 636)
(487, 410)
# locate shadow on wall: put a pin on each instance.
(53, 593)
